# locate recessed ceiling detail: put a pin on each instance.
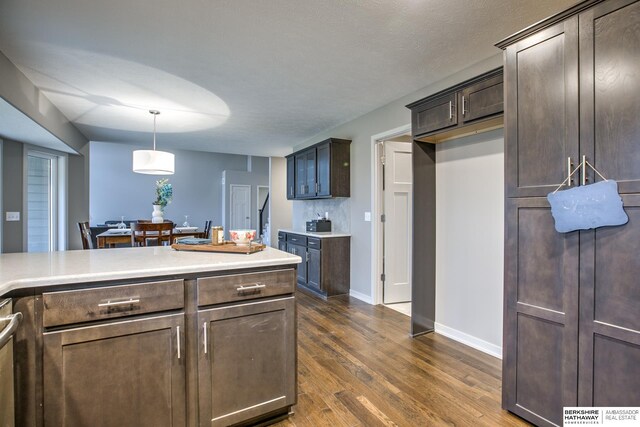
(244, 76)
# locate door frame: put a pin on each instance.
(376, 226)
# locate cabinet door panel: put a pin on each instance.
(482, 99)
(437, 114)
(311, 173)
(313, 269)
(291, 177)
(610, 83)
(301, 251)
(609, 321)
(541, 313)
(249, 368)
(324, 168)
(116, 374)
(541, 79)
(301, 175)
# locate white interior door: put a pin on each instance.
(398, 207)
(240, 207)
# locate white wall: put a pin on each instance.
(469, 239)
(279, 207)
(360, 131)
(115, 190)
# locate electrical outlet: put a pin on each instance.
(13, 216)
(367, 216)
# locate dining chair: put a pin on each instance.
(85, 235)
(143, 233)
(207, 229)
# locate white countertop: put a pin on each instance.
(321, 235)
(30, 270)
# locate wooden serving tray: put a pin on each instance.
(228, 247)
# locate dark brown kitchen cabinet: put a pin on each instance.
(291, 178)
(541, 129)
(129, 372)
(325, 267)
(305, 174)
(470, 107)
(247, 360)
(541, 313)
(572, 328)
(320, 171)
(482, 99)
(435, 114)
(301, 251)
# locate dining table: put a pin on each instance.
(115, 236)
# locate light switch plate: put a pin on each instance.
(13, 216)
(367, 216)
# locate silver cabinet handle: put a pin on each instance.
(307, 256)
(254, 287)
(450, 110)
(317, 187)
(204, 333)
(463, 106)
(569, 168)
(7, 333)
(302, 189)
(178, 338)
(584, 170)
(110, 303)
(291, 190)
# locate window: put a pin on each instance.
(42, 202)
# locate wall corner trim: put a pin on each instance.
(470, 340)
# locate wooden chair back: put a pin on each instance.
(207, 229)
(146, 233)
(85, 235)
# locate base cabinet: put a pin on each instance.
(325, 267)
(211, 350)
(117, 374)
(246, 366)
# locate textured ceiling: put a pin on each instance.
(245, 76)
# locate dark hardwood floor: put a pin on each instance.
(357, 366)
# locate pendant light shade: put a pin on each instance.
(153, 162)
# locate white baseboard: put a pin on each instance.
(471, 341)
(361, 296)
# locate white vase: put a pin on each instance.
(156, 215)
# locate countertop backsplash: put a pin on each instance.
(339, 213)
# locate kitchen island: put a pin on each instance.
(152, 337)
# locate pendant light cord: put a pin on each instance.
(154, 132)
(155, 114)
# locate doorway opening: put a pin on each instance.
(393, 222)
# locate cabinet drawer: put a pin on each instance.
(84, 305)
(297, 239)
(313, 242)
(237, 287)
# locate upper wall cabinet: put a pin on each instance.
(320, 171)
(472, 106)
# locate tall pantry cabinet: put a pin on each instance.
(572, 301)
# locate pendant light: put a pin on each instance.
(153, 162)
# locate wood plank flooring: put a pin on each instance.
(357, 366)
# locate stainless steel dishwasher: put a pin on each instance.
(8, 324)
